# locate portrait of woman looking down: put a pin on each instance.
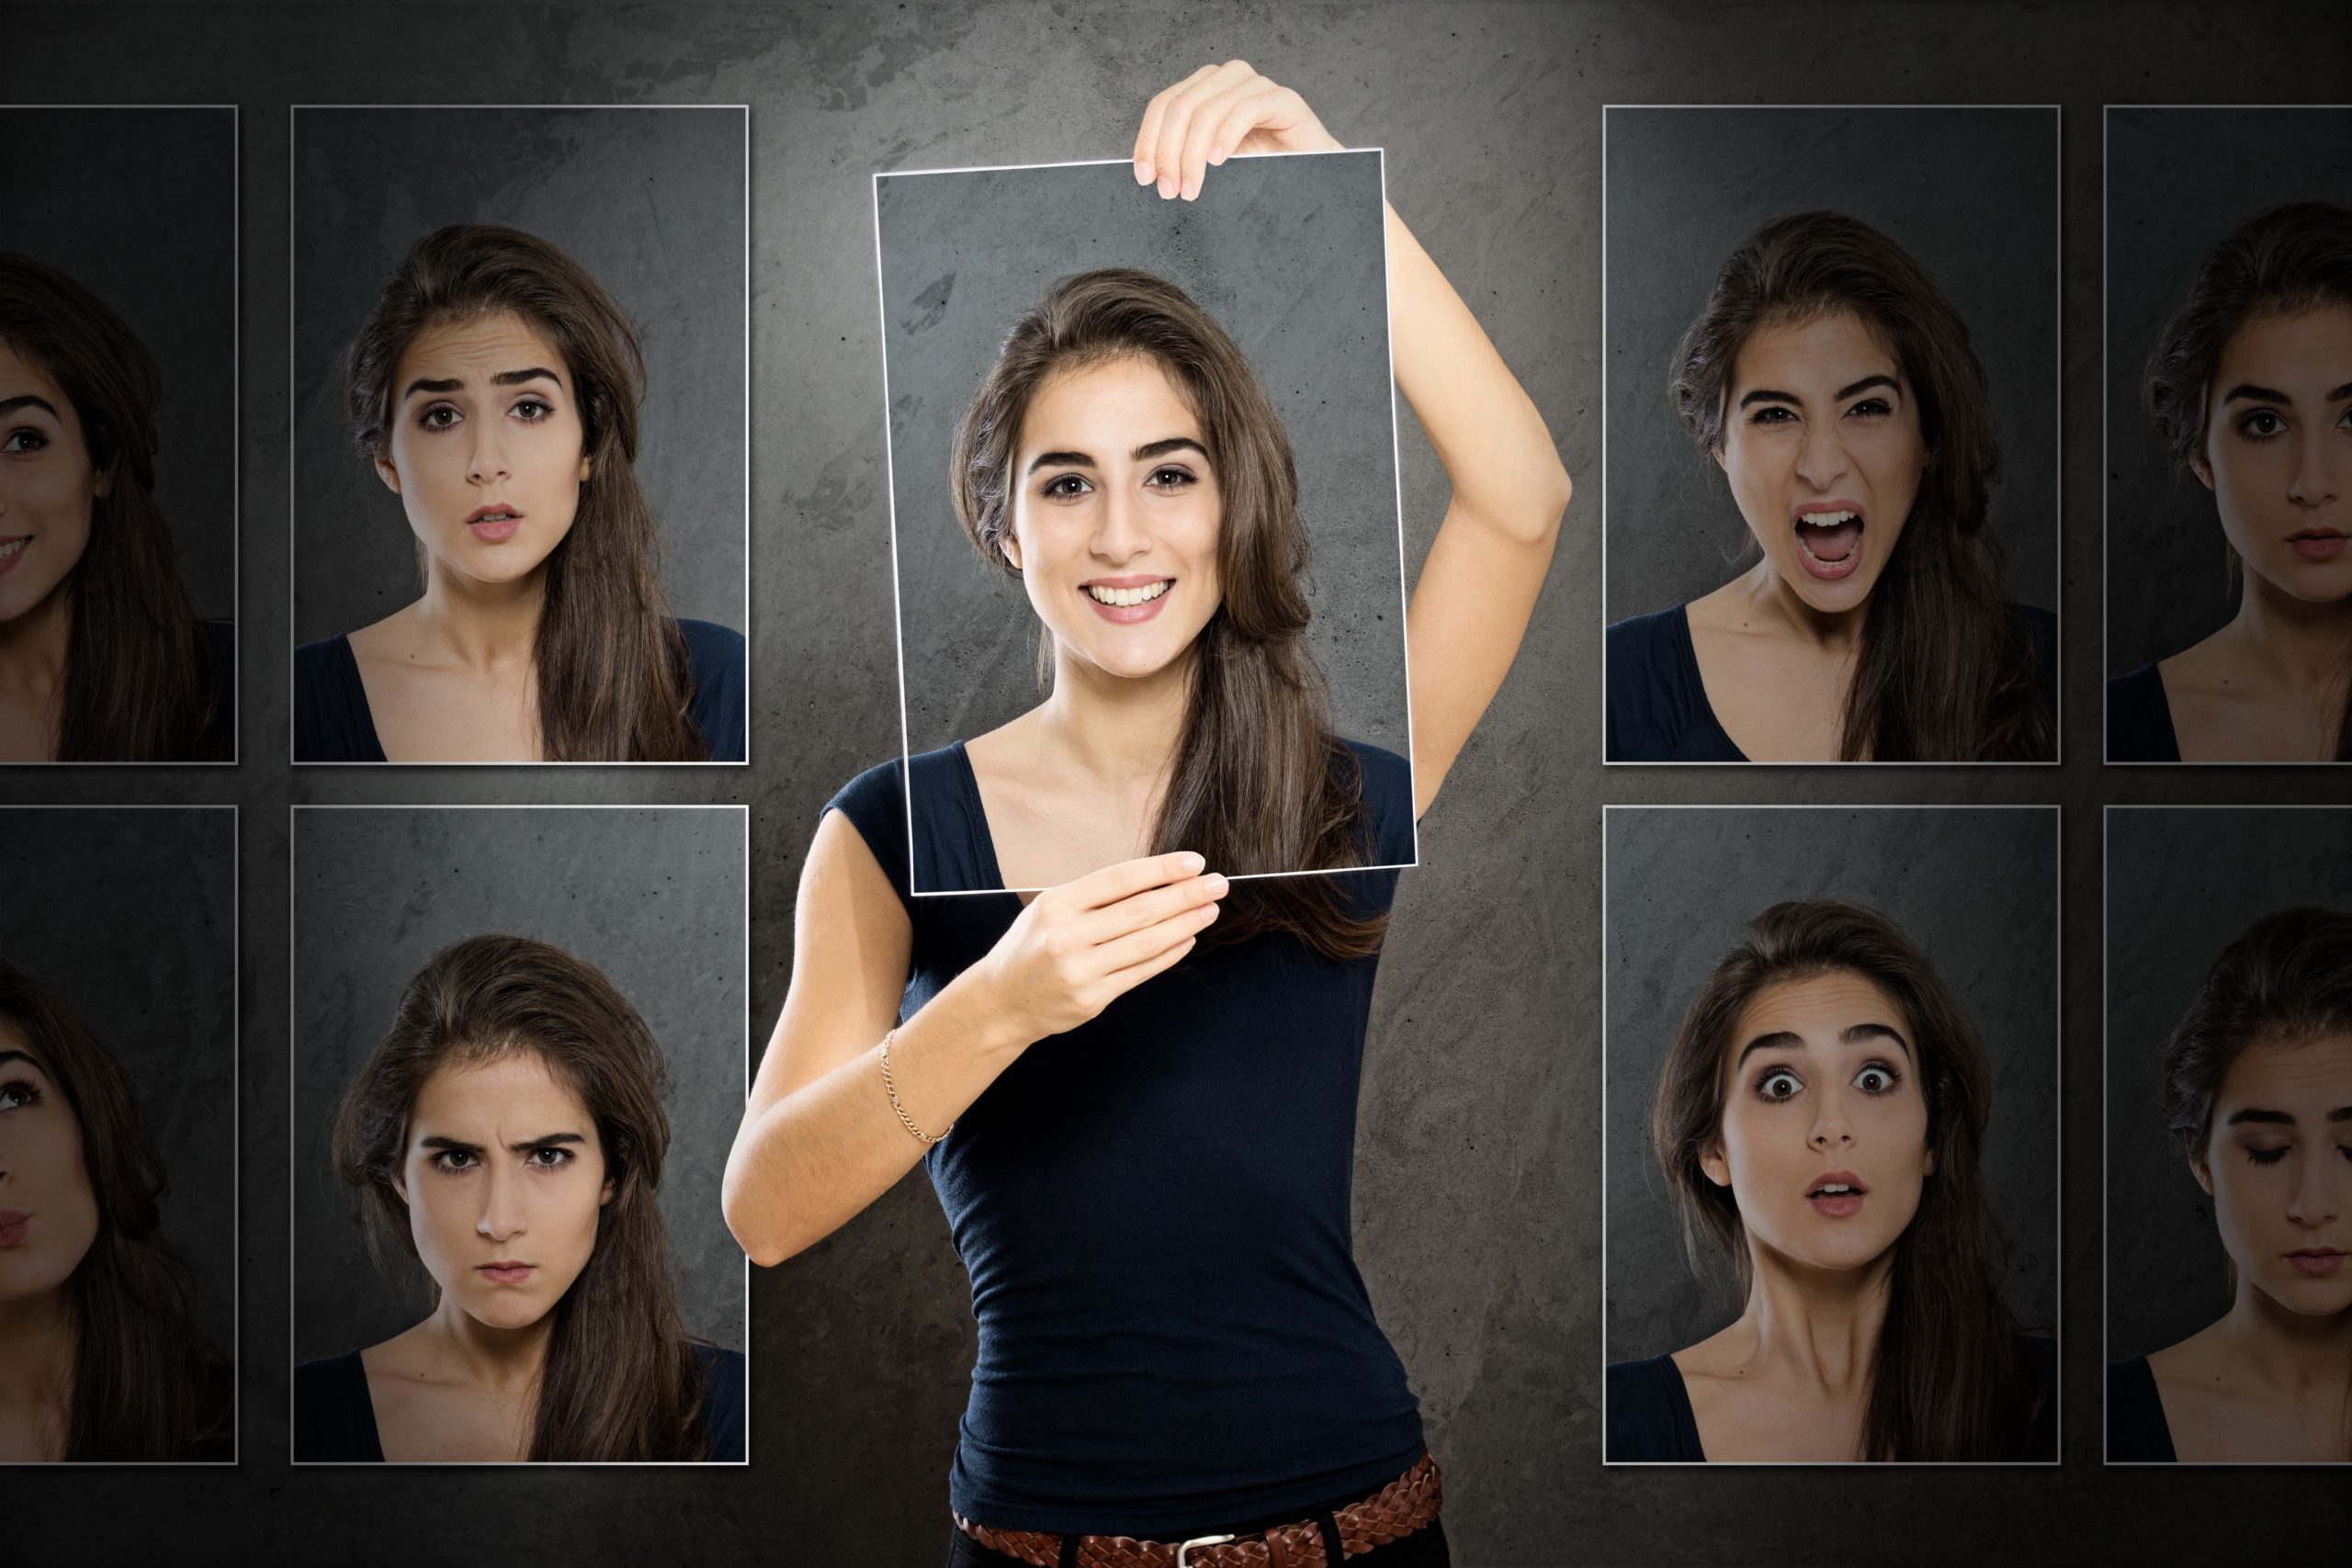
(1834, 386)
(508, 1137)
(1146, 1064)
(496, 391)
(1820, 1119)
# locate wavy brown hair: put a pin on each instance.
(1944, 674)
(615, 683)
(2280, 263)
(1259, 782)
(620, 1381)
(139, 685)
(146, 1385)
(1950, 1378)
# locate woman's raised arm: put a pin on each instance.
(1477, 589)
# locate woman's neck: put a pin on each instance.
(483, 625)
(2290, 1352)
(1821, 1325)
(2294, 644)
(1773, 603)
(1121, 733)
(502, 1359)
(32, 646)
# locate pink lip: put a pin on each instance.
(494, 522)
(1837, 1206)
(506, 1273)
(2317, 1262)
(1127, 615)
(2318, 543)
(8, 564)
(13, 1227)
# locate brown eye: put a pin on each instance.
(1778, 1085)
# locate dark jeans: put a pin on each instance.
(1425, 1548)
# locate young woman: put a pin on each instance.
(2257, 1090)
(1821, 1119)
(1153, 1115)
(2251, 389)
(102, 659)
(508, 1135)
(100, 1357)
(1835, 386)
(496, 391)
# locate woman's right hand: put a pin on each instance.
(1080, 946)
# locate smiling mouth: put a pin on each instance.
(1126, 598)
(11, 549)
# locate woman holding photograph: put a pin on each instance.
(2251, 389)
(508, 1135)
(1821, 1121)
(2257, 1092)
(496, 391)
(1835, 388)
(1136, 1090)
(102, 657)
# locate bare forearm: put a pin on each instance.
(809, 1163)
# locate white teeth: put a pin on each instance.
(1125, 596)
(12, 546)
(1828, 519)
(1832, 1189)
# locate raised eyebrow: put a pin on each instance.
(1151, 449)
(516, 378)
(1863, 1031)
(1778, 1040)
(457, 383)
(1058, 460)
(30, 400)
(1867, 382)
(2265, 394)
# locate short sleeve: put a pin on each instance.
(876, 804)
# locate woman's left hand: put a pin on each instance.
(1216, 112)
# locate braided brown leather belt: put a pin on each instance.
(1393, 1511)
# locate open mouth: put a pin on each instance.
(1837, 1193)
(12, 550)
(495, 522)
(2318, 1262)
(1829, 539)
(1126, 600)
(2318, 544)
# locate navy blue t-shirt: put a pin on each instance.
(1154, 1210)
(2137, 1432)
(2139, 719)
(333, 724)
(334, 1417)
(1659, 710)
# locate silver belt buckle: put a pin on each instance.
(1184, 1547)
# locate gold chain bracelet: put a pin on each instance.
(892, 1090)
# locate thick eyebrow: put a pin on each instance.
(10, 405)
(1868, 381)
(504, 379)
(1767, 395)
(2264, 394)
(1151, 449)
(1782, 1040)
(31, 1061)
(1772, 395)
(1058, 460)
(2281, 1119)
(531, 1145)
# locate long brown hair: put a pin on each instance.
(1950, 1377)
(1260, 783)
(1943, 673)
(620, 1381)
(615, 683)
(2287, 980)
(2280, 263)
(145, 1384)
(140, 683)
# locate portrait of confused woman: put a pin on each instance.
(1147, 1066)
(496, 391)
(1834, 386)
(100, 1357)
(2256, 1087)
(1820, 1119)
(508, 1137)
(102, 657)
(2250, 388)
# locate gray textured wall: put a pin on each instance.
(2177, 181)
(2181, 886)
(1971, 193)
(140, 207)
(1287, 254)
(650, 201)
(653, 898)
(1478, 1187)
(1976, 890)
(130, 917)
